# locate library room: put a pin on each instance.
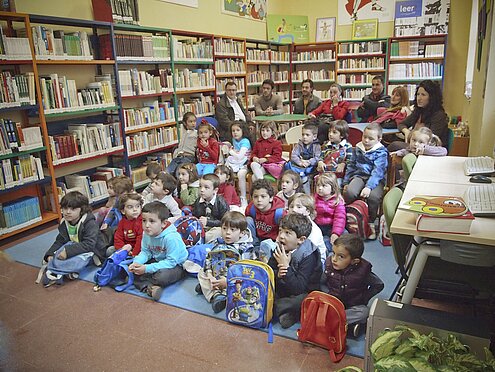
(237, 185)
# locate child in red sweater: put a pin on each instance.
(208, 151)
(267, 153)
(226, 188)
(130, 228)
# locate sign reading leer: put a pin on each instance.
(408, 8)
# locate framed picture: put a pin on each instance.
(365, 29)
(325, 29)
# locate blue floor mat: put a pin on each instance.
(183, 295)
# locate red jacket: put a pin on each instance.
(229, 194)
(270, 146)
(208, 154)
(329, 214)
(266, 226)
(339, 112)
(129, 232)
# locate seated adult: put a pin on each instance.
(390, 118)
(268, 103)
(307, 102)
(370, 103)
(428, 112)
(229, 109)
(334, 108)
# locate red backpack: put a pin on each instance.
(323, 323)
(357, 219)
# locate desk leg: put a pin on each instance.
(424, 251)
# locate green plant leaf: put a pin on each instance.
(394, 364)
(421, 365)
(350, 369)
(406, 349)
(385, 344)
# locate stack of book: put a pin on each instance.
(279, 76)
(59, 44)
(139, 177)
(19, 213)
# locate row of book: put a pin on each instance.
(59, 44)
(94, 189)
(258, 55)
(151, 113)
(229, 47)
(415, 70)
(187, 79)
(230, 66)
(17, 89)
(13, 137)
(411, 89)
(280, 56)
(355, 94)
(14, 47)
(124, 11)
(152, 139)
(136, 47)
(362, 47)
(201, 105)
(314, 56)
(361, 63)
(257, 76)
(134, 82)
(279, 76)
(19, 213)
(85, 140)
(408, 49)
(314, 75)
(220, 85)
(190, 49)
(60, 94)
(21, 170)
(355, 78)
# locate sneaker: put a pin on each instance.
(372, 235)
(356, 330)
(73, 276)
(218, 303)
(50, 279)
(154, 291)
(198, 289)
(287, 320)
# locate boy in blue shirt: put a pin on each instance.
(162, 252)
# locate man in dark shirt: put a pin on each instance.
(371, 102)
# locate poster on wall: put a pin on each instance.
(251, 9)
(421, 17)
(189, 3)
(353, 10)
(287, 29)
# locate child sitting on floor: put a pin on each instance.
(210, 207)
(187, 176)
(236, 241)
(290, 183)
(297, 267)
(163, 252)
(350, 279)
(162, 189)
(226, 188)
(366, 171)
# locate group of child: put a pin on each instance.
(293, 231)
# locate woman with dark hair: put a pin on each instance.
(428, 112)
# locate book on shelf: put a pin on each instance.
(17, 89)
(21, 170)
(14, 47)
(313, 56)
(362, 47)
(151, 139)
(162, 158)
(60, 44)
(152, 112)
(94, 190)
(415, 70)
(114, 171)
(258, 55)
(134, 82)
(436, 206)
(188, 79)
(228, 47)
(190, 49)
(117, 11)
(454, 225)
(13, 137)
(199, 105)
(19, 213)
(136, 47)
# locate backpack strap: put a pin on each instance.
(279, 212)
(130, 276)
(41, 272)
(303, 332)
(252, 211)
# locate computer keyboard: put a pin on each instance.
(478, 165)
(481, 200)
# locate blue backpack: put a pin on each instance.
(279, 212)
(220, 258)
(113, 267)
(250, 295)
(190, 230)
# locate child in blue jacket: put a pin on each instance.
(366, 171)
(162, 252)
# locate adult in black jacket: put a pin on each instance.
(229, 109)
(371, 102)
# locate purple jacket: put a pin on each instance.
(351, 285)
(328, 214)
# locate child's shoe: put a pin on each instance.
(198, 289)
(372, 235)
(287, 320)
(218, 303)
(154, 291)
(50, 279)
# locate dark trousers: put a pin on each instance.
(354, 189)
(291, 304)
(163, 278)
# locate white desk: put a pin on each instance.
(441, 169)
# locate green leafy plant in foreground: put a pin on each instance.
(405, 349)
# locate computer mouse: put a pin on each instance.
(479, 178)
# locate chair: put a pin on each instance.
(293, 135)
(355, 136)
(450, 140)
(408, 162)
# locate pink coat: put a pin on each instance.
(329, 214)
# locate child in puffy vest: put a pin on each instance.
(348, 277)
(296, 265)
(237, 238)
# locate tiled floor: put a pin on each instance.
(72, 328)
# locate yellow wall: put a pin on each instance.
(208, 18)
